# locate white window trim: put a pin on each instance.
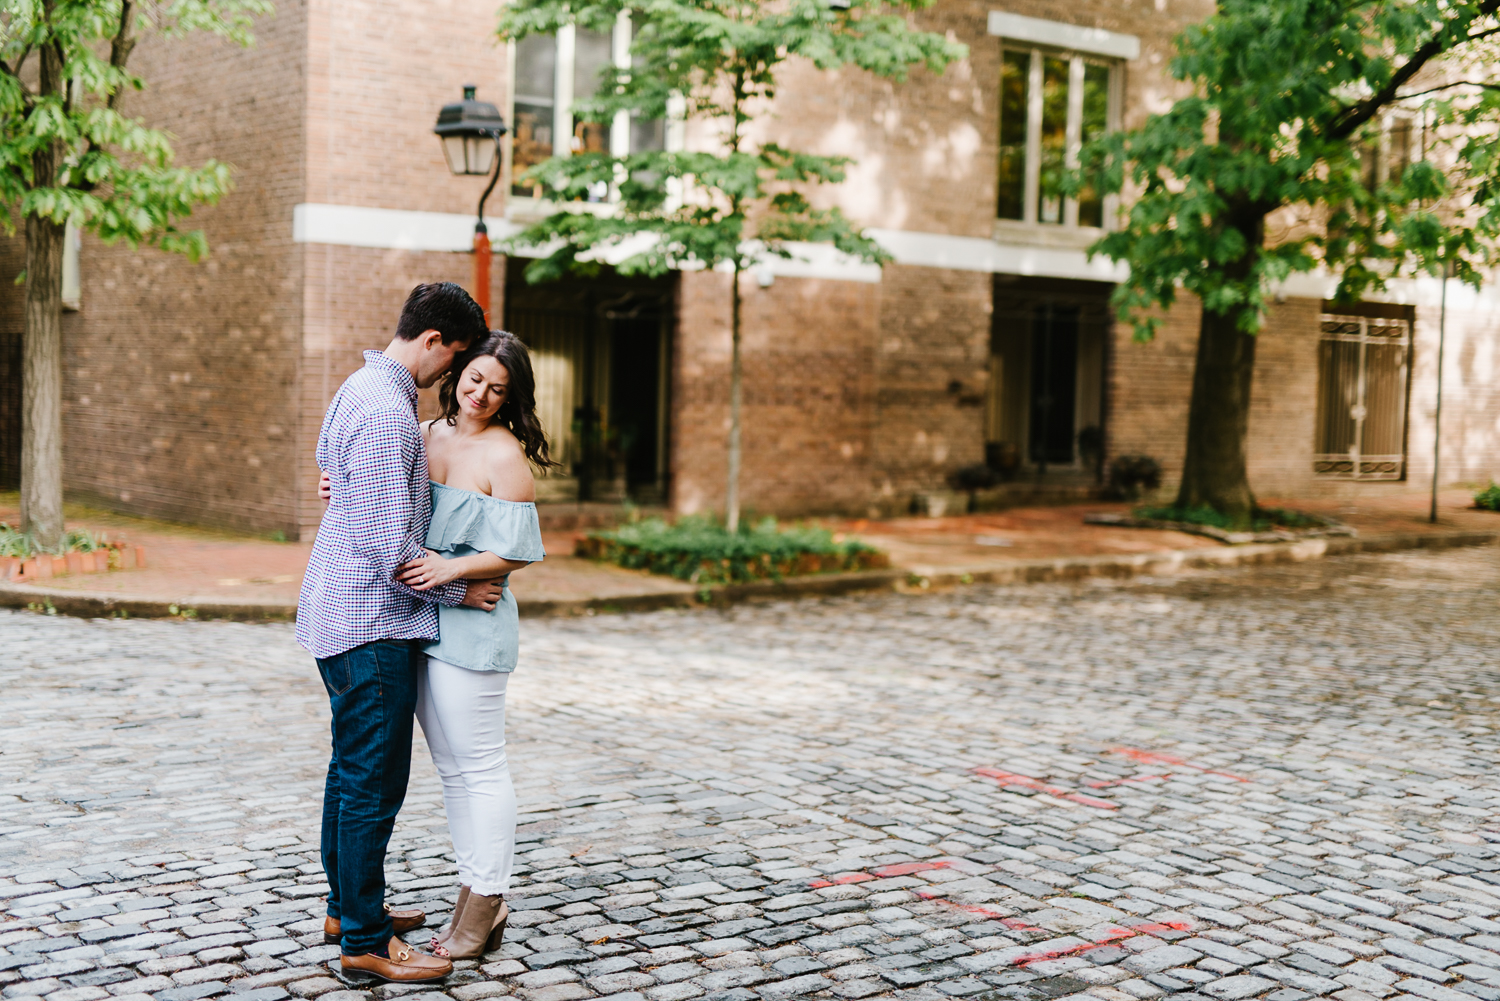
(1059, 35)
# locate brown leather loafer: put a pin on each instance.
(401, 921)
(405, 965)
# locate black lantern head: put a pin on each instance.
(469, 130)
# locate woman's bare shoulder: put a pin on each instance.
(510, 472)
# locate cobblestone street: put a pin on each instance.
(1274, 782)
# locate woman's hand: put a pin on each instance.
(325, 488)
(429, 572)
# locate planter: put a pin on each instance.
(113, 556)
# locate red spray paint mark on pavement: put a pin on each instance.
(1110, 937)
(883, 872)
(975, 909)
(1157, 758)
(1012, 779)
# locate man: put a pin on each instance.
(363, 625)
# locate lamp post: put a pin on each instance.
(470, 130)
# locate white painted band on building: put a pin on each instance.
(970, 253)
(396, 229)
(1035, 31)
(389, 229)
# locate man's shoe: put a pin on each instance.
(401, 965)
(401, 921)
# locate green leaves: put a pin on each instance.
(1286, 157)
(719, 59)
(66, 153)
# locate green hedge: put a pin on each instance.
(702, 551)
(1489, 497)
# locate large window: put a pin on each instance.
(1051, 103)
(551, 73)
(1362, 396)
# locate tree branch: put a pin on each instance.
(119, 50)
(1348, 121)
(1446, 86)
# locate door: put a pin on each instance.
(600, 349)
(1048, 343)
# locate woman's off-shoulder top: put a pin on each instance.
(465, 522)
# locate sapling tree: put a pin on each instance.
(735, 202)
(69, 154)
(1271, 165)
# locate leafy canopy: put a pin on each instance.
(67, 153)
(718, 60)
(1265, 169)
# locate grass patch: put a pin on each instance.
(702, 551)
(1489, 498)
(1264, 519)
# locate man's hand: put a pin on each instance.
(325, 488)
(484, 593)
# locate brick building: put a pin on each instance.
(195, 392)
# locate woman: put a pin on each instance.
(484, 525)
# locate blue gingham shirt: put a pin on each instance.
(371, 448)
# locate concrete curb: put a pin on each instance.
(90, 604)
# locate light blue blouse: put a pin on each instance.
(466, 522)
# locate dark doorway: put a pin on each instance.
(1054, 382)
(601, 348)
(1048, 345)
(10, 411)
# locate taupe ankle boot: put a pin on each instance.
(478, 929)
(441, 938)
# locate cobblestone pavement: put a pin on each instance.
(1268, 783)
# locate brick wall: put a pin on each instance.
(809, 385)
(933, 355)
(179, 377)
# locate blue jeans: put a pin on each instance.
(373, 692)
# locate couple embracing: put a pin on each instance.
(407, 609)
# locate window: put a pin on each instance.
(1050, 105)
(551, 73)
(1385, 157)
(1362, 396)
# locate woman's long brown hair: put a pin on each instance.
(518, 413)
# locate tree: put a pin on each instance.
(1265, 170)
(733, 207)
(69, 155)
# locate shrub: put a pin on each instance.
(700, 550)
(976, 477)
(1489, 497)
(1130, 476)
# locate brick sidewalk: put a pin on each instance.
(192, 567)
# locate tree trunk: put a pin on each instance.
(736, 378)
(41, 366)
(41, 397)
(1214, 473)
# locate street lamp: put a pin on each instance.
(470, 131)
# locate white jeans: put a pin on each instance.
(462, 713)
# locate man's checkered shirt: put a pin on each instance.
(371, 448)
